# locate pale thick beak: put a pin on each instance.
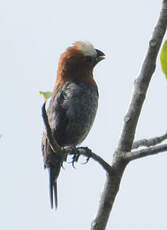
(100, 58)
(100, 55)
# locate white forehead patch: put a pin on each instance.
(87, 48)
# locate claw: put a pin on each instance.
(73, 164)
(87, 159)
(75, 159)
(62, 165)
(87, 150)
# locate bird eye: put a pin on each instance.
(89, 59)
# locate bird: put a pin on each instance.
(73, 106)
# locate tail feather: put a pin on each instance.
(55, 194)
(53, 162)
(53, 174)
(52, 184)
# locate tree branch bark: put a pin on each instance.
(130, 123)
(142, 82)
(149, 142)
(109, 193)
(145, 152)
(88, 153)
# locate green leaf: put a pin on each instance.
(46, 95)
(163, 58)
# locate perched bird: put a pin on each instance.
(73, 106)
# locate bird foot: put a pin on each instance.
(77, 155)
(73, 150)
(89, 152)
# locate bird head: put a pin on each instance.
(78, 62)
(91, 56)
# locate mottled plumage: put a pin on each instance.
(73, 106)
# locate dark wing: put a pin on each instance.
(58, 121)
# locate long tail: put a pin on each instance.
(53, 174)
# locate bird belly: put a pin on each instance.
(81, 123)
(81, 111)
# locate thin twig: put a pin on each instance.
(95, 157)
(149, 142)
(145, 152)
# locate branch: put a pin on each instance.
(89, 154)
(149, 142)
(142, 82)
(145, 152)
(130, 122)
(108, 196)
